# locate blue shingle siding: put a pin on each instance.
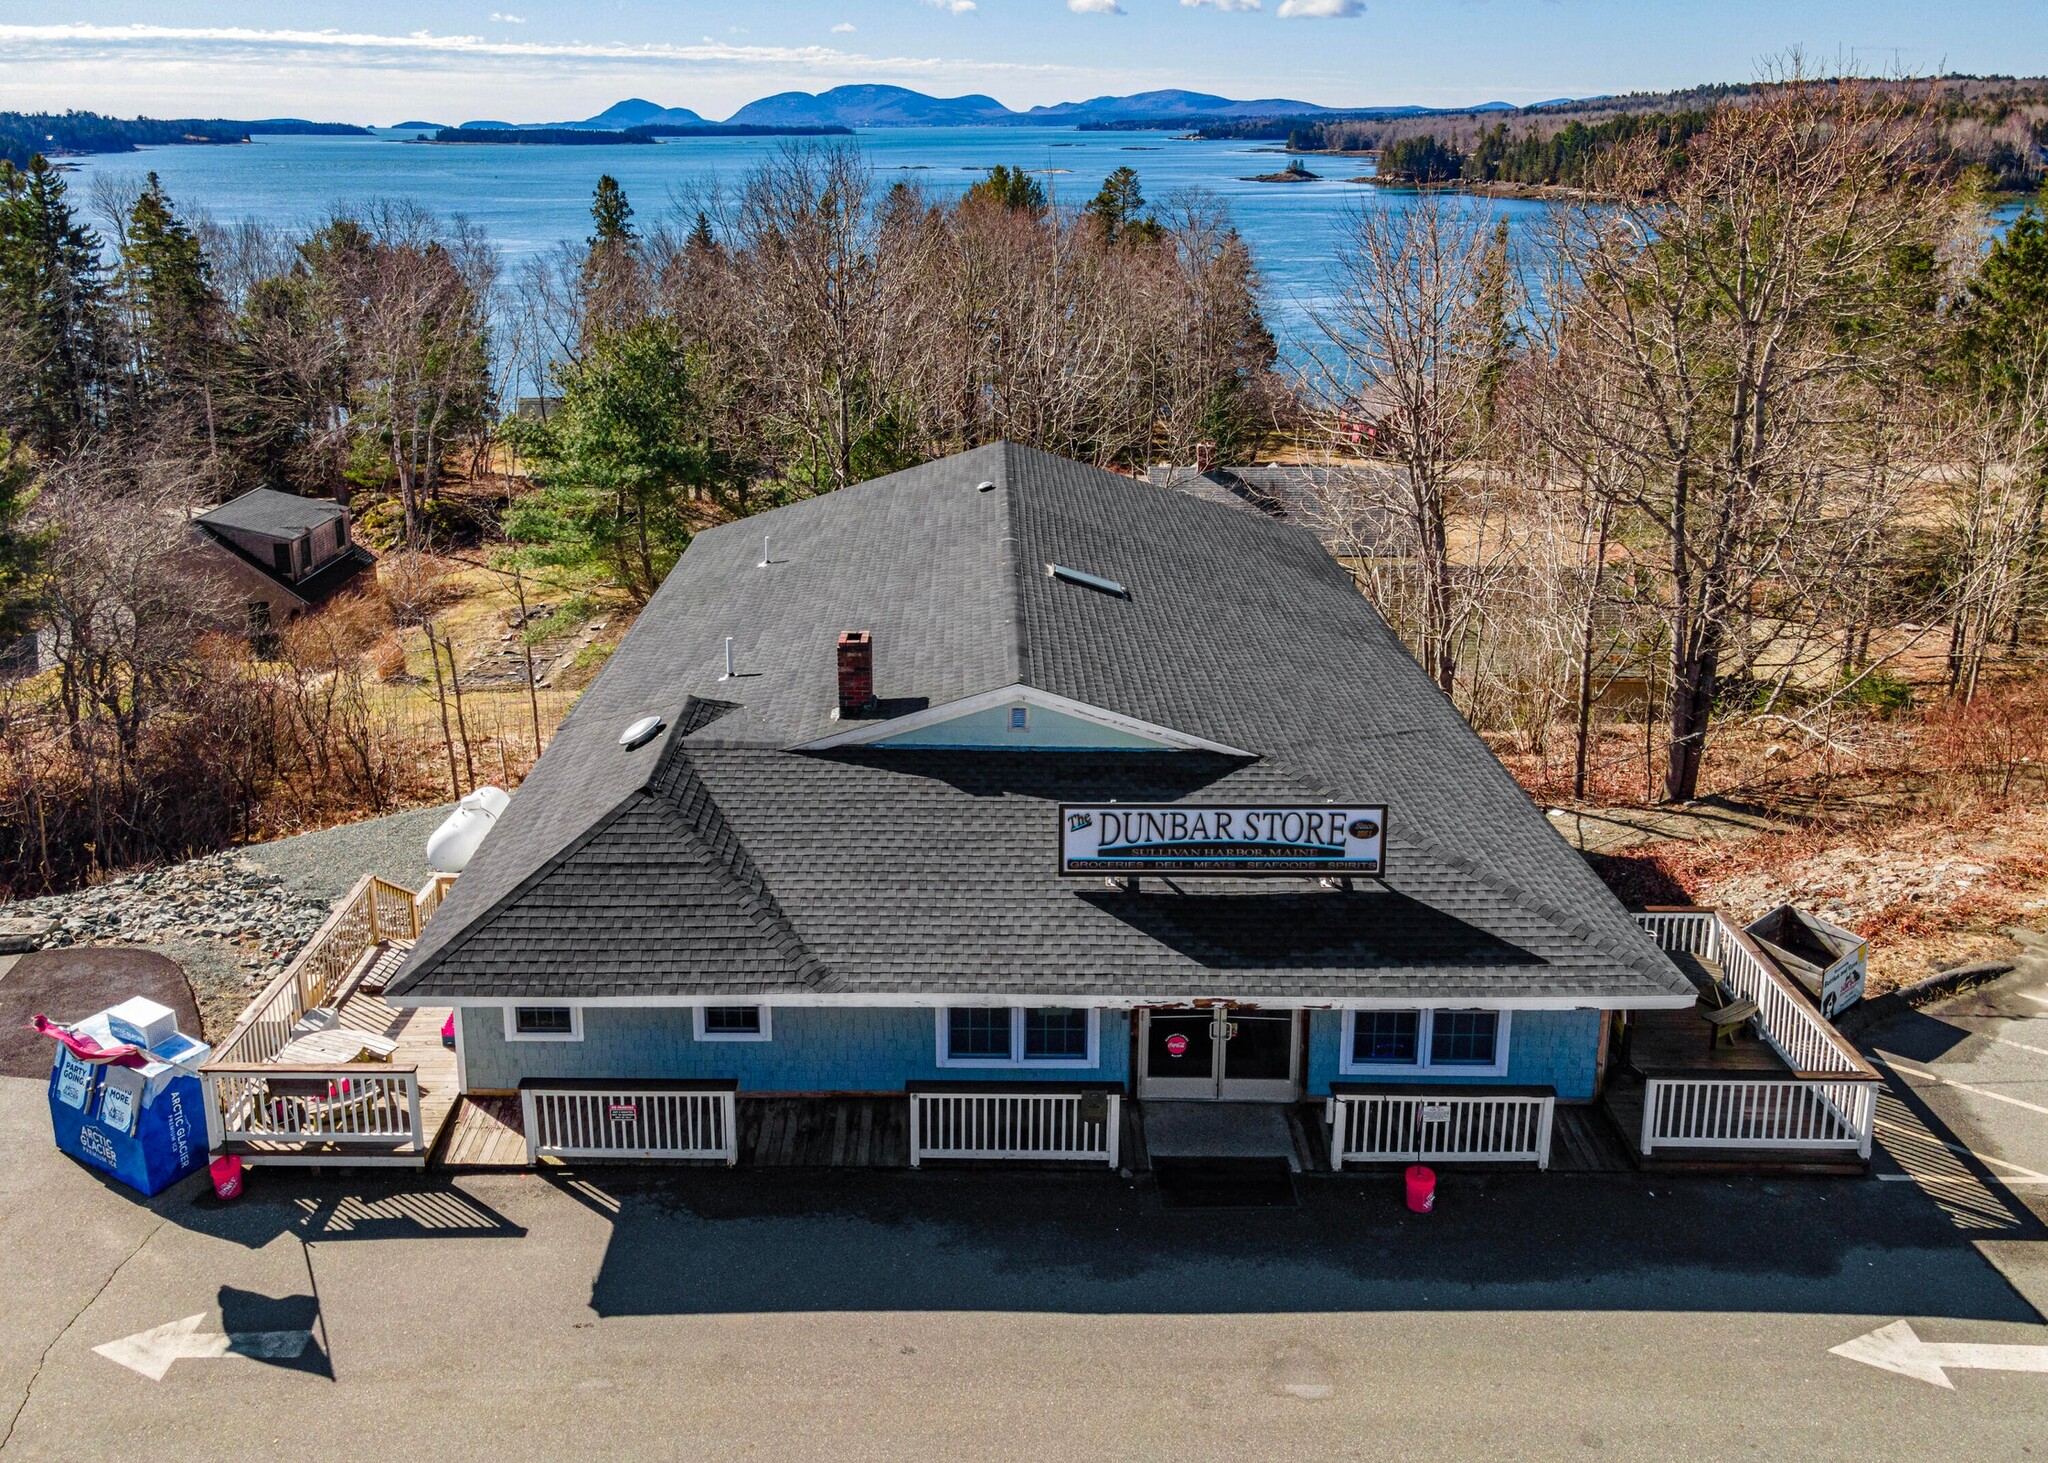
(814, 1049)
(1560, 1049)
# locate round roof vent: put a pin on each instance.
(640, 732)
(984, 487)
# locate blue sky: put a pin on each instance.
(536, 60)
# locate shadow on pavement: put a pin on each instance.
(326, 1208)
(770, 1241)
(266, 1328)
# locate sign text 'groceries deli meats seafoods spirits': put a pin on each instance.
(1175, 838)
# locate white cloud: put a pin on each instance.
(172, 70)
(956, 7)
(1223, 4)
(1320, 9)
(1095, 7)
(844, 28)
(504, 19)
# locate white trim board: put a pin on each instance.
(683, 999)
(878, 731)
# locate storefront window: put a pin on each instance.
(1463, 1038)
(1386, 1036)
(1051, 1034)
(978, 1031)
(1003, 1036)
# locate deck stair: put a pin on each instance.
(321, 1068)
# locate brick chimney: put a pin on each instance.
(1205, 456)
(856, 672)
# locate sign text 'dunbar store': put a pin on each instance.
(1173, 838)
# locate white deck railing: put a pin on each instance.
(1827, 1101)
(1009, 1121)
(1785, 1018)
(1399, 1124)
(629, 1120)
(1724, 1112)
(353, 1103)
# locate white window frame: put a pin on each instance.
(1016, 1058)
(513, 1033)
(1425, 1029)
(766, 1033)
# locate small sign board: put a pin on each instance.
(1436, 1112)
(625, 1112)
(1125, 839)
(74, 1079)
(117, 1099)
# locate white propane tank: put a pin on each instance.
(451, 846)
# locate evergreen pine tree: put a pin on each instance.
(52, 313)
(1117, 208)
(173, 314)
(614, 295)
(610, 211)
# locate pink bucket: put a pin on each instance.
(227, 1175)
(1421, 1188)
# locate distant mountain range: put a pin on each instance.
(899, 106)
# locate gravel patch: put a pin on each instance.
(326, 865)
(234, 920)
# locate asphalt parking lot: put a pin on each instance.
(715, 1314)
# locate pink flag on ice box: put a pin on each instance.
(86, 1049)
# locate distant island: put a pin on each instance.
(82, 134)
(1294, 172)
(417, 126)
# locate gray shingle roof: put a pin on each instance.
(715, 860)
(275, 514)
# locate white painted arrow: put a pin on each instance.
(151, 1352)
(1895, 1348)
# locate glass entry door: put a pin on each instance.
(1231, 1056)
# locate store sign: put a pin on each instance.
(1176, 1045)
(1174, 838)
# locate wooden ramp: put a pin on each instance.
(485, 1132)
(1583, 1139)
(825, 1132)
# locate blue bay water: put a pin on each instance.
(528, 199)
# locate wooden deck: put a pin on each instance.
(417, 1030)
(1679, 1043)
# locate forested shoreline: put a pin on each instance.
(1617, 477)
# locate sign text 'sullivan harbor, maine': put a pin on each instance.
(1173, 838)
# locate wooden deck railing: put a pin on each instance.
(1827, 1099)
(429, 899)
(1414, 1122)
(599, 1119)
(1029, 1120)
(353, 1103)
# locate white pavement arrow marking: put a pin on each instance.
(1895, 1348)
(151, 1352)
